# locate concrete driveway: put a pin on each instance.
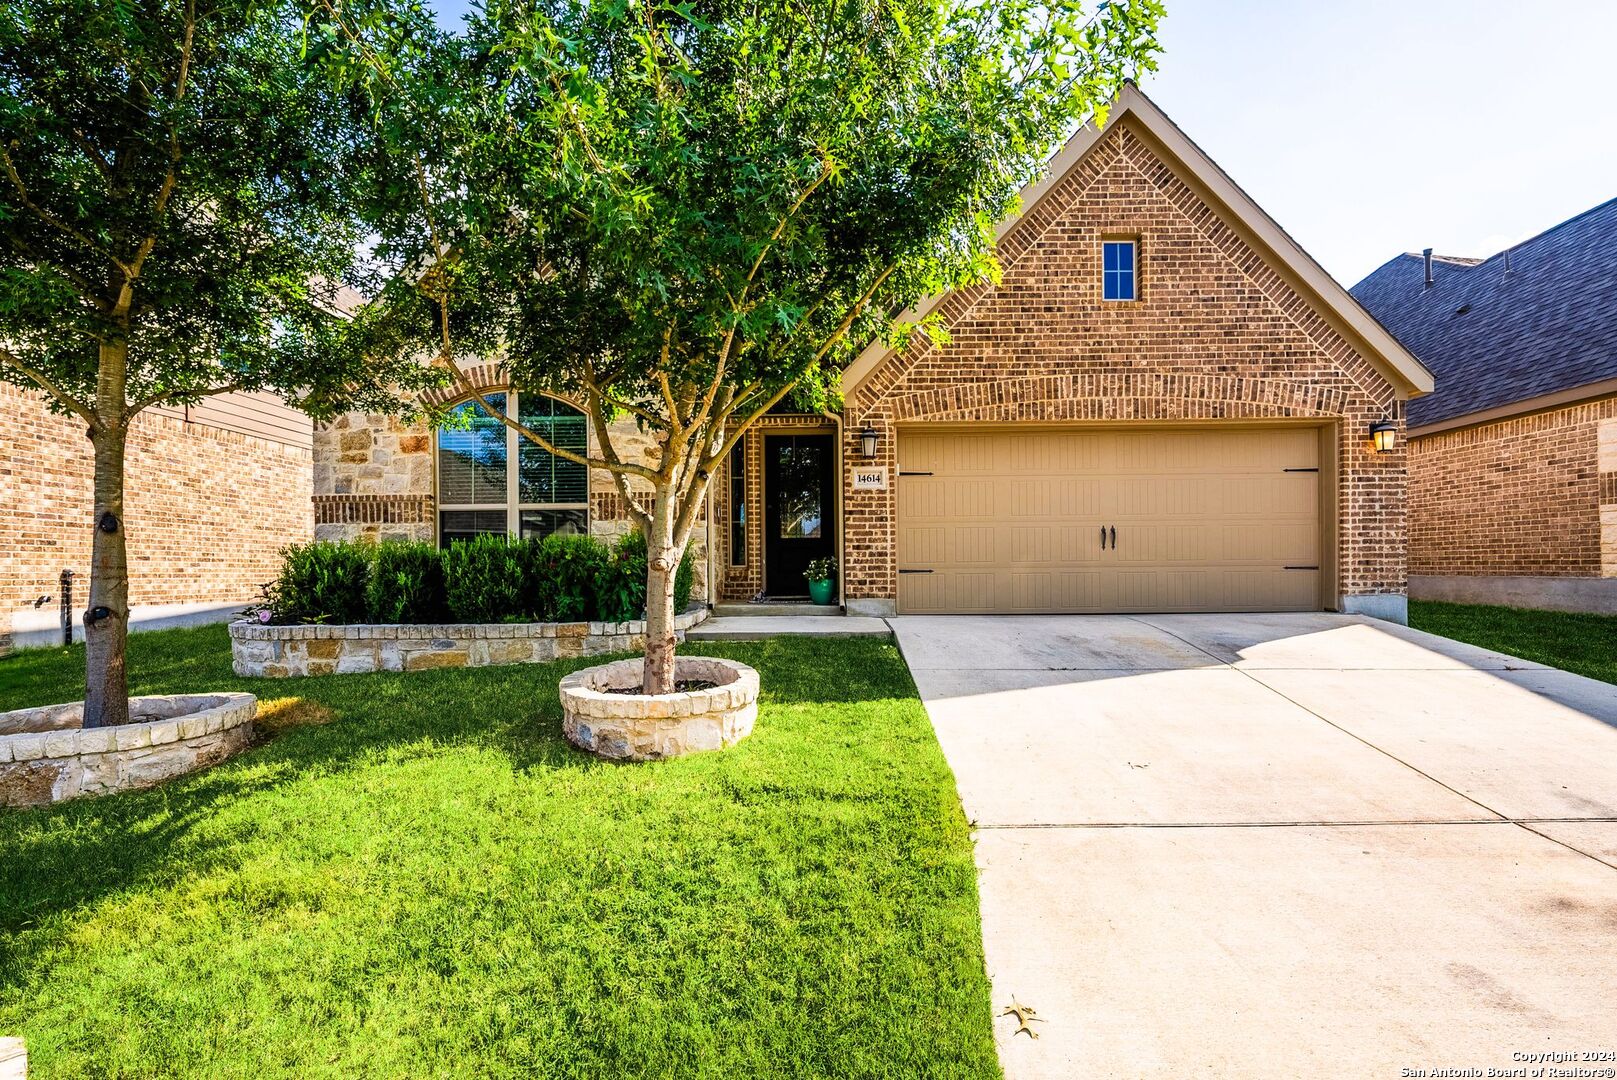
(1280, 845)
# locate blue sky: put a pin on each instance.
(1371, 127)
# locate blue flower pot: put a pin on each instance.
(821, 592)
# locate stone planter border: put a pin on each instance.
(279, 652)
(46, 757)
(649, 727)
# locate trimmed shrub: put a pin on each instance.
(407, 584)
(620, 587)
(684, 581)
(620, 583)
(321, 582)
(483, 580)
(560, 577)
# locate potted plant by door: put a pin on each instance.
(822, 579)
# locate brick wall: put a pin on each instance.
(1532, 495)
(206, 509)
(1216, 334)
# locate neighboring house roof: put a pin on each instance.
(1496, 337)
(1382, 348)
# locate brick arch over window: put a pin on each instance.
(485, 378)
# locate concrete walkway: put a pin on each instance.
(1279, 845)
(754, 627)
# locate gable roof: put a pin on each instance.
(1396, 362)
(1496, 337)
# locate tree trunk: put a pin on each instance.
(662, 563)
(106, 698)
(106, 620)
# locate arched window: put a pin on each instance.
(478, 491)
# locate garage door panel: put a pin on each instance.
(970, 498)
(1033, 498)
(974, 545)
(923, 499)
(1034, 544)
(929, 545)
(1205, 520)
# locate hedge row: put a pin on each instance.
(486, 579)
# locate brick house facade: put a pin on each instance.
(1236, 349)
(212, 494)
(1513, 461)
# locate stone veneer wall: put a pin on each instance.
(206, 509)
(1528, 496)
(374, 478)
(1216, 334)
(289, 651)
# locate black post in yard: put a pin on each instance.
(67, 607)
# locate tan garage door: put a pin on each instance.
(1012, 520)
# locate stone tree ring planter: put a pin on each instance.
(47, 754)
(648, 727)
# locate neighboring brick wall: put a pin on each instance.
(1524, 496)
(206, 509)
(1216, 334)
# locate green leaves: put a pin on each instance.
(184, 178)
(761, 186)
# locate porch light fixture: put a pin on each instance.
(867, 441)
(1384, 433)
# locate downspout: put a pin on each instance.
(842, 524)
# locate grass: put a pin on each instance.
(1586, 644)
(417, 876)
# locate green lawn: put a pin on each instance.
(436, 884)
(1586, 644)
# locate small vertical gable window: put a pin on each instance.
(1117, 270)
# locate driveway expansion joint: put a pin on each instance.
(1395, 822)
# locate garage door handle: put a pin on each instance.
(1103, 538)
(1114, 537)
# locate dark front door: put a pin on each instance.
(799, 510)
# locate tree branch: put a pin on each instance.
(45, 383)
(598, 417)
(467, 388)
(85, 289)
(172, 395)
(853, 313)
(51, 219)
(596, 385)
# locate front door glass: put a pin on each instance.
(799, 501)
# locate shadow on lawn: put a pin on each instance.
(61, 858)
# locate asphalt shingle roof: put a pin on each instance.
(1492, 337)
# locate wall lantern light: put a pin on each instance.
(1384, 433)
(867, 441)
